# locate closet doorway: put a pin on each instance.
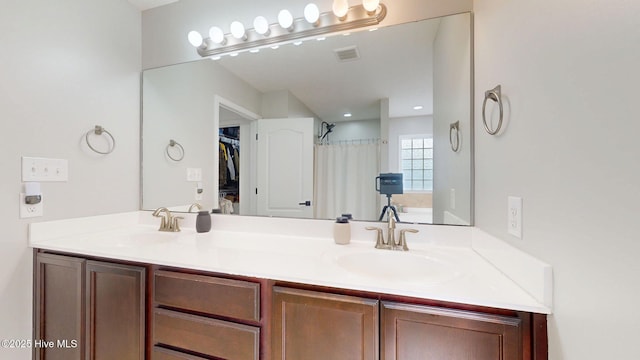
(236, 155)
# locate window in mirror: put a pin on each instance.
(416, 157)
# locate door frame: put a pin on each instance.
(248, 171)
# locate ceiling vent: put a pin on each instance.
(347, 54)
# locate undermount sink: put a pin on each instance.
(393, 265)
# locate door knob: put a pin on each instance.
(306, 203)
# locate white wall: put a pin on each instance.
(451, 99)
(283, 104)
(65, 66)
(178, 100)
(354, 130)
(569, 73)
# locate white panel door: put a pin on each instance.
(285, 167)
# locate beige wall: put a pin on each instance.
(65, 66)
(569, 73)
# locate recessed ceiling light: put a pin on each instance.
(216, 57)
(254, 51)
(322, 38)
(233, 54)
(347, 115)
(374, 29)
(297, 43)
(418, 107)
(275, 47)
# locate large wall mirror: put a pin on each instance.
(304, 130)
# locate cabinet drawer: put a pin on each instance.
(166, 354)
(221, 297)
(210, 337)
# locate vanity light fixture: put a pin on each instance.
(370, 5)
(312, 14)
(285, 19)
(261, 26)
(195, 38)
(288, 29)
(340, 9)
(216, 35)
(237, 30)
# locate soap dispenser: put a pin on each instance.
(342, 230)
(203, 221)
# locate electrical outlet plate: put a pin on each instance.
(514, 216)
(30, 210)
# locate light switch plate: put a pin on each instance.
(194, 174)
(44, 169)
(514, 216)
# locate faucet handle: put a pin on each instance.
(175, 225)
(379, 239)
(403, 238)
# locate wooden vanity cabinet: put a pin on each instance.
(426, 332)
(310, 324)
(201, 317)
(88, 309)
(97, 310)
(59, 306)
(115, 303)
(314, 325)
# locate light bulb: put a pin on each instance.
(370, 5)
(285, 19)
(195, 38)
(312, 13)
(340, 8)
(216, 35)
(261, 25)
(237, 30)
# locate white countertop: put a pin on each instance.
(303, 251)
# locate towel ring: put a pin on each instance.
(454, 127)
(99, 130)
(495, 95)
(173, 143)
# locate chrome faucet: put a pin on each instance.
(195, 205)
(391, 244)
(168, 222)
(391, 229)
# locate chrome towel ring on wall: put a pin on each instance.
(174, 144)
(495, 95)
(454, 128)
(99, 130)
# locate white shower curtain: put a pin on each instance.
(345, 180)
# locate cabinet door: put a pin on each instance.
(422, 332)
(319, 326)
(59, 306)
(115, 302)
